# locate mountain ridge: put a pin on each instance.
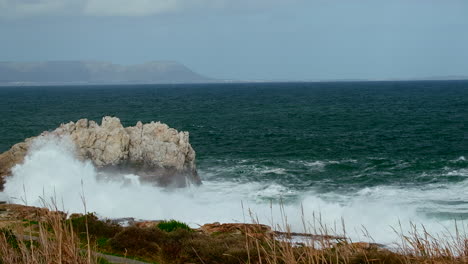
(96, 72)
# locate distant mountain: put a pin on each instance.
(88, 72)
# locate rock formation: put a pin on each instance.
(253, 230)
(154, 151)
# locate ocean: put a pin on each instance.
(373, 155)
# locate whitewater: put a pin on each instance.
(373, 154)
(51, 174)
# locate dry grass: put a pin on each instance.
(56, 240)
(422, 246)
(326, 246)
(50, 241)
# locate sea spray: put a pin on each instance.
(51, 171)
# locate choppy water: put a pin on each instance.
(373, 153)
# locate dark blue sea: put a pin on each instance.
(373, 153)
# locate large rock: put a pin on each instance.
(252, 230)
(154, 151)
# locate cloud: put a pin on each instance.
(131, 7)
(28, 8)
(14, 8)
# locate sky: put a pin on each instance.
(247, 39)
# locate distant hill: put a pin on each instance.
(87, 72)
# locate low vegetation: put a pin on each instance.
(55, 239)
(172, 225)
(50, 241)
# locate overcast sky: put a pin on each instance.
(247, 39)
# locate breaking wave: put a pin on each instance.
(51, 171)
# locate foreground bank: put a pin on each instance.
(40, 235)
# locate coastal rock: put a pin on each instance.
(154, 151)
(12, 157)
(360, 246)
(146, 224)
(236, 228)
(13, 212)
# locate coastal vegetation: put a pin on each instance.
(172, 225)
(38, 235)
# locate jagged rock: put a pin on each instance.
(154, 151)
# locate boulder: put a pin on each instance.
(154, 151)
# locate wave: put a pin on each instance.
(51, 171)
(253, 169)
(319, 165)
(460, 172)
(459, 159)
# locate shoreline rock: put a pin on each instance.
(154, 151)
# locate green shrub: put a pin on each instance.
(9, 237)
(97, 229)
(220, 249)
(181, 246)
(172, 225)
(138, 242)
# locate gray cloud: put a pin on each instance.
(247, 39)
(28, 8)
(24, 8)
(133, 7)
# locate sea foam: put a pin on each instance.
(51, 171)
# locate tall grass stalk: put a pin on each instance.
(54, 242)
(324, 245)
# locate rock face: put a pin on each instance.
(154, 151)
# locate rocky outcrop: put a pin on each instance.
(154, 151)
(235, 228)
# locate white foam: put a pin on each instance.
(318, 165)
(461, 158)
(51, 170)
(460, 172)
(274, 171)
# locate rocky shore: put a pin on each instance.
(59, 237)
(162, 241)
(154, 151)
